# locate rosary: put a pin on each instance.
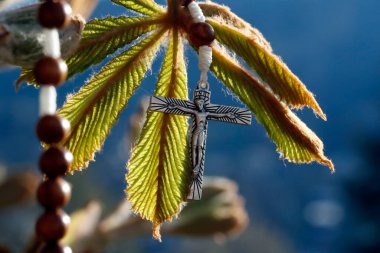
(200, 109)
(50, 71)
(54, 192)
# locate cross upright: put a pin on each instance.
(201, 110)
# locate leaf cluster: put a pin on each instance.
(158, 171)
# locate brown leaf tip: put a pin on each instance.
(156, 232)
(329, 164)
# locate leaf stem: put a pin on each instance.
(173, 6)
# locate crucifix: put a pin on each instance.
(201, 110)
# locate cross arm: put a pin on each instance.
(229, 114)
(171, 105)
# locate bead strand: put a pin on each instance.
(50, 71)
(201, 35)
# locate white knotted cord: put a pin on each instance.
(205, 60)
(51, 45)
(48, 93)
(196, 12)
(204, 52)
(48, 100)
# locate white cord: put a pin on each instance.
(48, 93)
(196, 12)
(204, 52)
(48, 98)
(205, 60)
(51, 43)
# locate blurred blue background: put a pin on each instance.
(334, 48)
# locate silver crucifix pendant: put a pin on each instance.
(201, 111)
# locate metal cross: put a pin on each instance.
(201, 111)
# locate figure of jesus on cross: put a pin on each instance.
(201, 111)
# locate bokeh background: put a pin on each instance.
(334, 47)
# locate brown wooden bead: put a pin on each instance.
(55, 161)
(52, 225)
(54, 193)
(52, 129)
(50, 71)
(54, 247)
(201, 34)
(186, 2)
(54, 14)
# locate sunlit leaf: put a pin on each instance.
(157, 177)
(271, 69)
(146, 7)
(102, 37)
(217, 11)
(96, 107)
(294, 140)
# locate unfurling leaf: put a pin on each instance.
(96, 107)
(294, 140)
(158, 177)
(221, 212)
(145, 7)
(269, 66)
